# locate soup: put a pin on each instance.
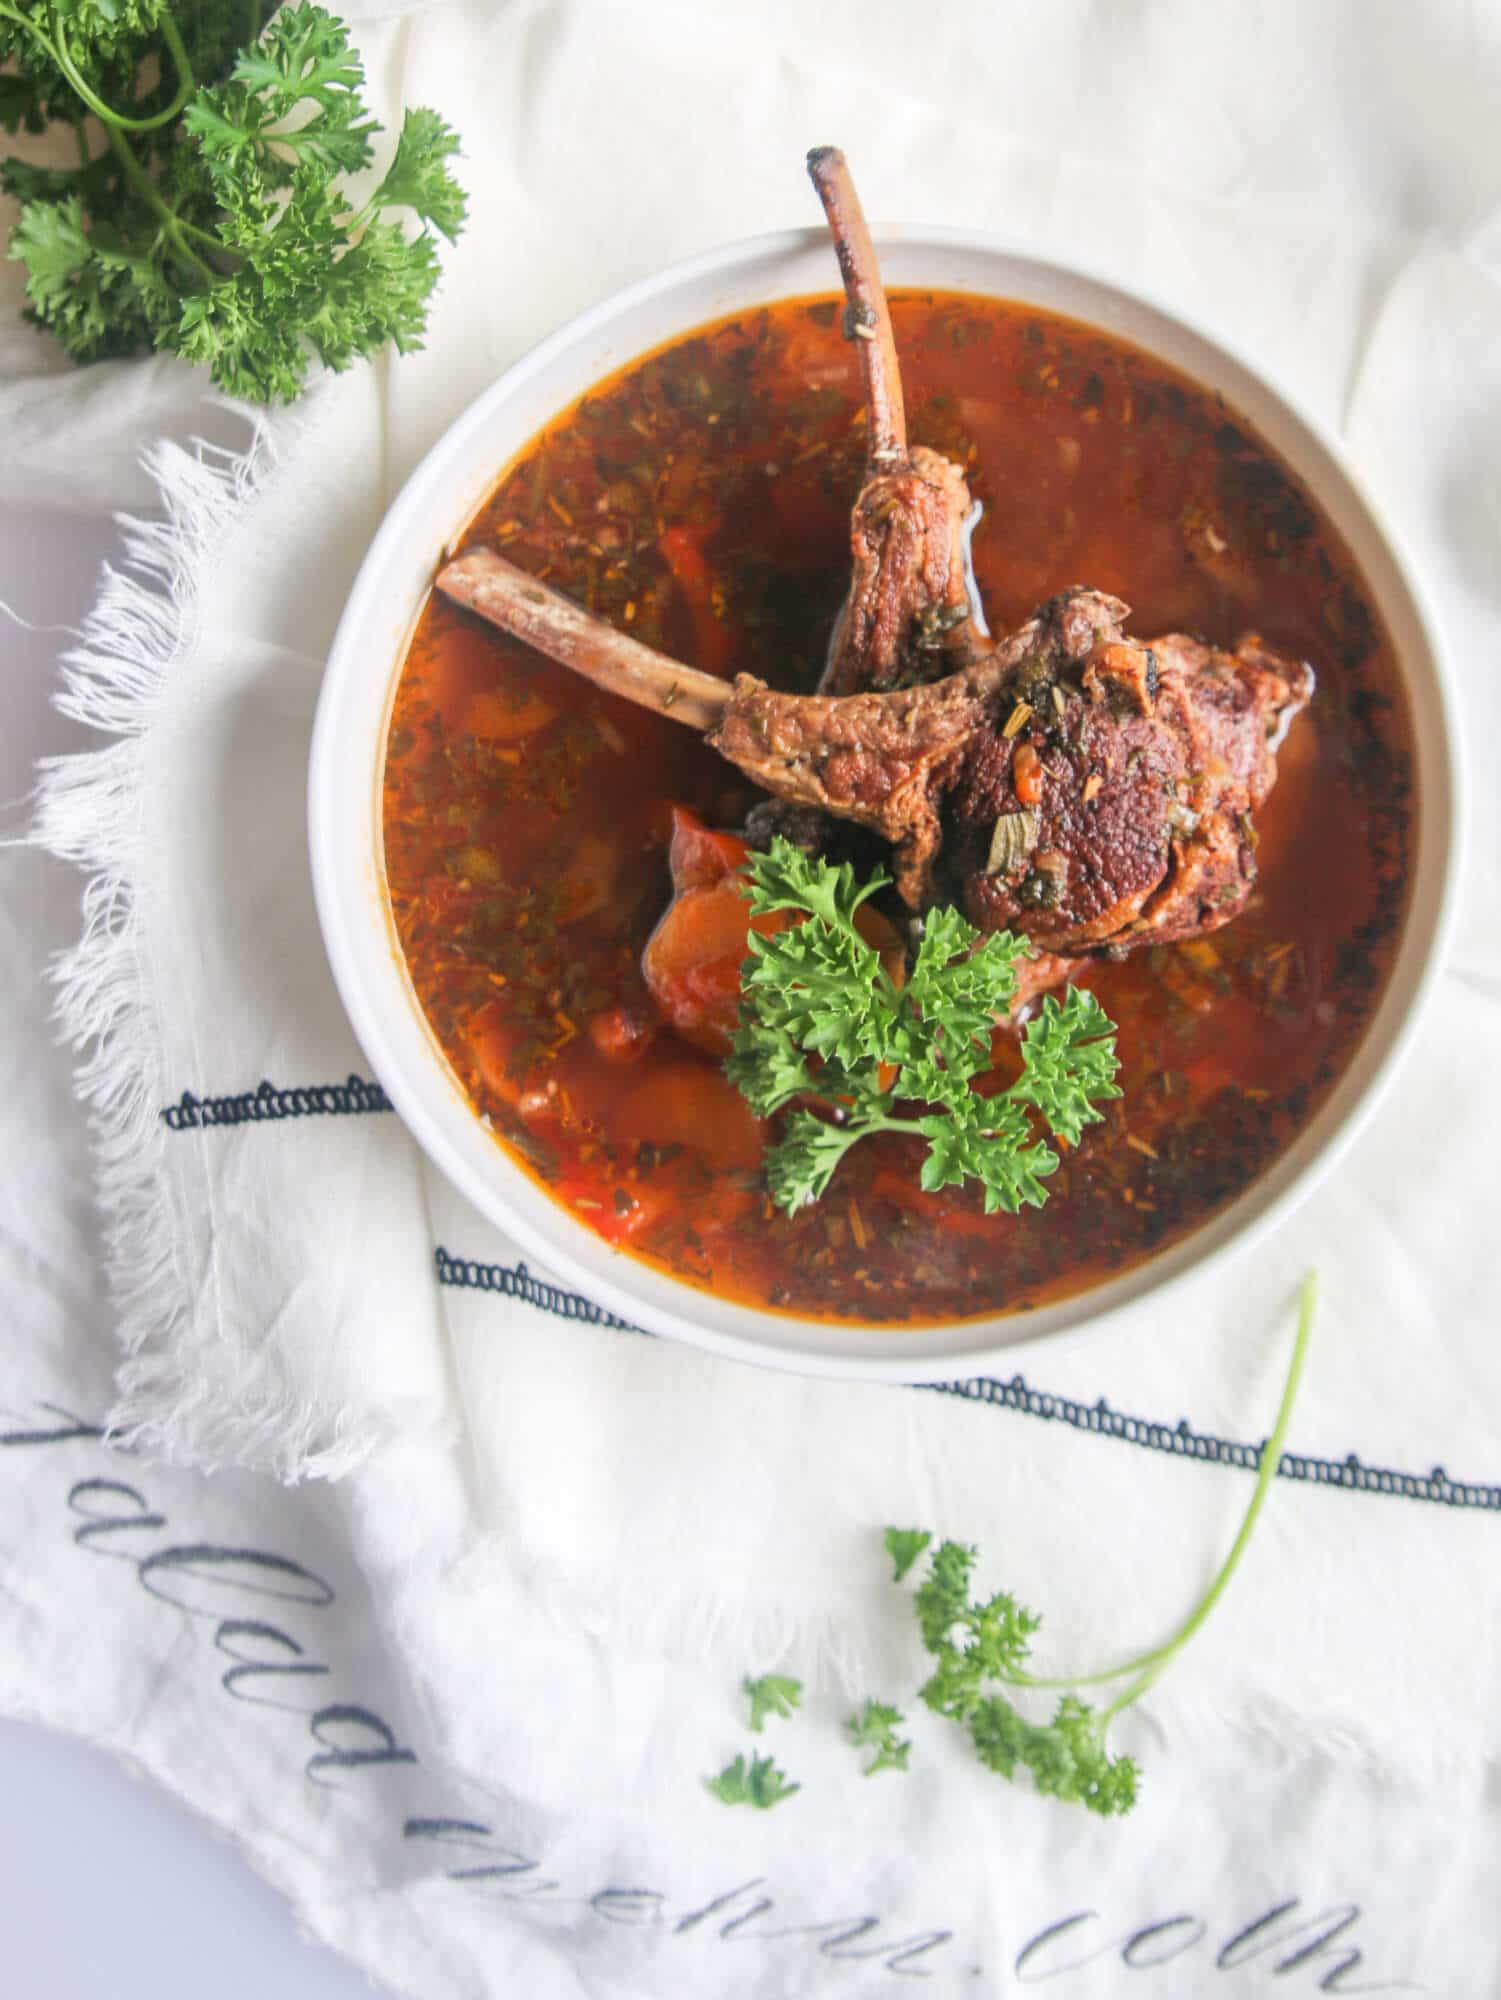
(700, 499)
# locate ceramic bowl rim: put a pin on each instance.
(371, 978)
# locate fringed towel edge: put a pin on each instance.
(89, 812)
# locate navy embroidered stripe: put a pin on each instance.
(355, 1095)
(515, 1281)
(267, 1101)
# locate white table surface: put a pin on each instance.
(172, 1910)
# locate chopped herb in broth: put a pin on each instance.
(700, 500)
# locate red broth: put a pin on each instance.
(700, 499)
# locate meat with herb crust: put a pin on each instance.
(1137, 825)
(910, 614)
(1077, 786)
(1086, 789)
(1073, 784)
(888, 761)
(907, 617)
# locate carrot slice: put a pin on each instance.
(692, 1104)
(501, 715)
(691, 573)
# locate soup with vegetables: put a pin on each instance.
(700, 501)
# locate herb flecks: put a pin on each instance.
(822, 1018)
(1013, 839)
(771, 1694)
(904, 1546)
(757, 1783)
(874, 1727)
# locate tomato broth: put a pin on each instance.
(700, 499)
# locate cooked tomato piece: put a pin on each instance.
(683, 549)
(692, 962)
(623, 1034)
(588, 881)
(693, 958)
(618, 1213)
(698, 854)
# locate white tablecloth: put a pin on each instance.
(459, 1703)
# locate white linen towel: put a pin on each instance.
(546, 1503)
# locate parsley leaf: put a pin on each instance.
(874, 1728)
(217, 222)
(820, 1015)
(904, 1546)
(771, 1694)
(975, 1644)
(418, 178)
(758, 1783)
(1068, 1063)
(1066, 1757)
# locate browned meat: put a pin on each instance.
(1072, 784)
(908, 616)
(1066, 782)
(888, 761)
(1140, 783)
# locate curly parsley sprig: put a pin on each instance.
(874, 1727)
(980, 1647)
(770, 1694)
(821, 1016)
(210, 213)
(760, 1783)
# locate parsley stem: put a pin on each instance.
(117, 124)
(186, 82)
(142, 182)
(37, 33)
(209, 241)
(1147, 1666)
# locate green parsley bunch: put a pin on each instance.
(820, 1016)
(210, 213)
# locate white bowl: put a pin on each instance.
(359, 684)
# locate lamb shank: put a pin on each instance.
(1073, 784)
(1088, 790)
(911, 613)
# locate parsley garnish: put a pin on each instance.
(874, 1728)
(821, 1016)
(904, 1546)
(758, 1783)
(976, 1645)
(215, 220)
(771, 1694)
